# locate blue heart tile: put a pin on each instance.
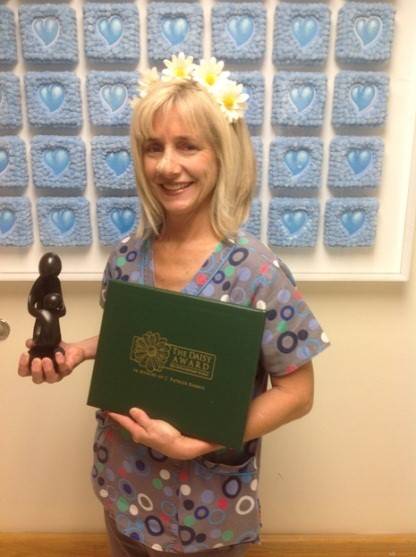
(7, 220)
(46, 29)
(63, 219)
(247, 90)
(4, 160)
(297, 160)
(175, 29)
(353, 220)
(52, 95)
(123, 219)
(240, 28)
(368, 29)
(111, 28)
(363, 95)
(118, 161)
(302, 97)
(359, 159)
(57, 160)
(294, 220)
(114, 96)
(304, 29)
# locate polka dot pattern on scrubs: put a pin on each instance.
(190, 506)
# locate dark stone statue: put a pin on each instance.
(45, 302)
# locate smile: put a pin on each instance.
(176, 187)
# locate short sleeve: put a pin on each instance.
(292, 335)
(107, 275)
(124, 263)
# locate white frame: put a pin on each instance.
(388, 260)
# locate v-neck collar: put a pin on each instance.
(204, 274)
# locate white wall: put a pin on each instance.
(348, 467)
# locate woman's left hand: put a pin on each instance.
(161, 436)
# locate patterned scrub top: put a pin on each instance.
(190, 506)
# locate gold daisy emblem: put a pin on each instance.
(151, 351)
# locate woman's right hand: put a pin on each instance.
(43, 370)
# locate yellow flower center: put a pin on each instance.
(228, 102)
(210, 78)
(180, 72)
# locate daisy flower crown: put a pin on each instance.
(209, 73)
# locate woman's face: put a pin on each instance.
(180, 166)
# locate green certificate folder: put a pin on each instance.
(183, 359)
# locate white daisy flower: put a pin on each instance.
(148, 78)
(180, 67)
(232, 100)
(209, 73)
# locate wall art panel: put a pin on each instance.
(331, 113)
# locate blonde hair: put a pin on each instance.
(231, 143)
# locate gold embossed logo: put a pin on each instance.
(153, 353)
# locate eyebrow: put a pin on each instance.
(177, 138)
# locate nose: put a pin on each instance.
(167, 165)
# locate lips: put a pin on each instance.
(176, 187)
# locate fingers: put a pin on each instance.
(124, 421)
(142, 430)
(43, 371)
(134, 425)
(129, 425)
(140, 417)
(23, 368)
(62, 365)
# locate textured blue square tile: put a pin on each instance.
(253, 224)
(13, 167)
(355, 162)
(53, 99)
(49, 33)
(360, 99)
(10, 101)
(238, 31)
(117, 218)
(293, 222)
(16, 225)
(301, 34)
(295, 162)
(8, 44)
(364, 32)
(111, 32)
(254, 86)
(58, 162)
(109, 97)
(174, 27)
(112, 163)
(350, 222)
(299, 99)
(258, 152)
(64, 221)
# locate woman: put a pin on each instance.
(163, 492)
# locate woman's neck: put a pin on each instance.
(187, 231)
(179, 252)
